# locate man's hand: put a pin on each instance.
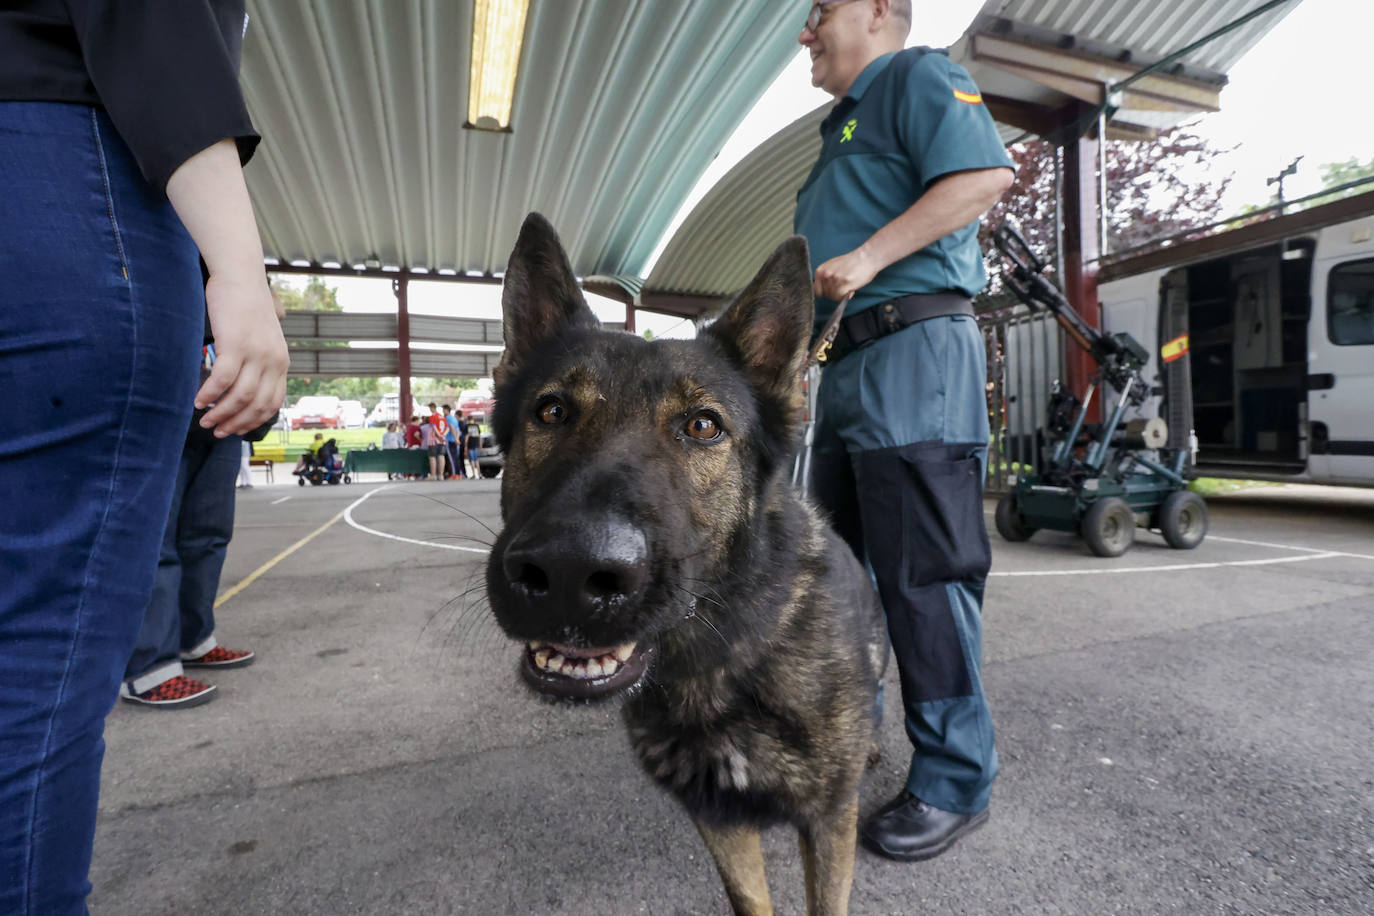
(846, 273)
(248, 380)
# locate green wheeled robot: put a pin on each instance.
(1101, 481)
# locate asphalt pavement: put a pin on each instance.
(1180, 732)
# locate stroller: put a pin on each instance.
(324, 466)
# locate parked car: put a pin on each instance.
(489, 456)
(316, 411)
(476, 402)
(385, 412)
(352, 414)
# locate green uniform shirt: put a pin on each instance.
(910, 118)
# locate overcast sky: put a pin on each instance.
(1303, 90)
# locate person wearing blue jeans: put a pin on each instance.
(178, 628)
(455, 457)
(909, 160)
(122, 139)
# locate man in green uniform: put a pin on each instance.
(910, 159)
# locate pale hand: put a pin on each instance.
(248, 380)
(845, 274)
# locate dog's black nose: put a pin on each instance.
(578, 571)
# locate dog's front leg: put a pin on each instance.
(828, 857)
(739, 859)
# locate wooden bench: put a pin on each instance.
(255, 462)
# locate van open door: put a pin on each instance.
(1174, 357)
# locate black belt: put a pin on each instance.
(889, 317)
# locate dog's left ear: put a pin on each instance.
(769, 324)
(539, 297)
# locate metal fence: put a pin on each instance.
(1025, 357)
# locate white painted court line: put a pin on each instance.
(1168, 568)
(1333, 553)
(282, 500)
(348, 517)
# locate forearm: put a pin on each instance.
(208, 193)
(949, 204)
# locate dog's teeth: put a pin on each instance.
(566, 667)
(541, 657)
(624, 652)
(609, 666)
(594, 668)
(535, 645)
(556, 662)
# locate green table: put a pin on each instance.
(387, 460)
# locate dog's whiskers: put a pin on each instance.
(462, 512)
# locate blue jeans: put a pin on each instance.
(101, 316)
(455, 460)
(901, 442)
(180, 616)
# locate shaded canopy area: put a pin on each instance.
(620, 105)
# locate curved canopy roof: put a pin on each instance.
(1038, 62)
(620, 105)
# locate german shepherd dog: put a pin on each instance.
(653, 549)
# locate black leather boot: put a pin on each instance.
(908, 830)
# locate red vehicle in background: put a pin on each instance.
(476, 403)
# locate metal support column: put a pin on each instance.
(400, 286)
(630, 318)
(1080, 254)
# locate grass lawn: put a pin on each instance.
(280, 444)
(1216, 486)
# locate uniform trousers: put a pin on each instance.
(898, 460)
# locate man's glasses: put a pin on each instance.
(813, 18)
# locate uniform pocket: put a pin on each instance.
(942, 511)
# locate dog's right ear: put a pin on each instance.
(540, 296)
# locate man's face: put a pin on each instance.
(838, 44)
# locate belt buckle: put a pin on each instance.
(823, 351)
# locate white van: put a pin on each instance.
(1278, 321)
(352, 415)
(385, 412)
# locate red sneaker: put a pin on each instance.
(176, 693)
(220, 657)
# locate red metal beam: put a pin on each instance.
(1080, 257)
(399, 287)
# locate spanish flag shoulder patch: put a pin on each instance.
(1174, 348)
(973, 98)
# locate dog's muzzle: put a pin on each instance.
(582, 580)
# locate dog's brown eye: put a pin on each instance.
(703, 426)
(553, 413)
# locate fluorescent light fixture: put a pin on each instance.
(498, 29)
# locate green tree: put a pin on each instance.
(316, 297)
(1335, 174)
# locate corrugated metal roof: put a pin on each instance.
(727, 235)
(1148, 29)
(725, 238)
(620, 106)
